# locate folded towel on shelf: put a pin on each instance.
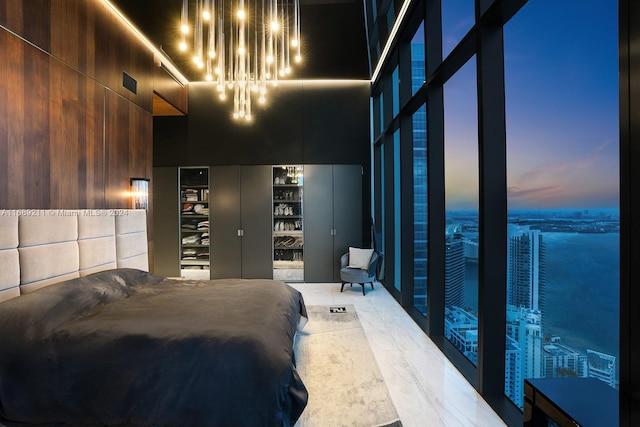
(201, 209)
(193, 239)
(190, 195)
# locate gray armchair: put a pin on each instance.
(358, 275)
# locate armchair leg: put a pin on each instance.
(362, 288)
(342, 287)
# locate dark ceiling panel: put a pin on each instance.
(333, 36)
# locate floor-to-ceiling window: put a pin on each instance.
(419, 154)
(461, 198)
(554, 185)
(563, 178)
(397, 213)
(458, 16)
(420, 217)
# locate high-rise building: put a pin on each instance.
(526, 268)
(454, 267)
(563, 361)
(417, 66)
(513, 381)
(525, 327)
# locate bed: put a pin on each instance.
(89, 337)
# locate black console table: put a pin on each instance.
(570, 402)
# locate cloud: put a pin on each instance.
(535, 197)
(553, 182)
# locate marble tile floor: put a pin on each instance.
(426, 389)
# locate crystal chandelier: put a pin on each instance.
(242, 45)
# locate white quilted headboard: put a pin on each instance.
(42, 247)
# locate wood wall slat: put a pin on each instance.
(92, 134)
(5, 103)
(64, 137)
(77, 110)
(69, 36)
(116, 150)
(29, 19)
(27, 122)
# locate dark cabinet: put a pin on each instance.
(225, 217)
(166, 223)
(241, 220)
(333, 218)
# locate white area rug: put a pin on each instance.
(340, 372)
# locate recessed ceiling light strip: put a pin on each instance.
(390, 40)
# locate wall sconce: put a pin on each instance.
(140, 193)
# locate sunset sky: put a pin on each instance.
(561, 76)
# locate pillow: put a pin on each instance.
(302, 322)
(359, 258)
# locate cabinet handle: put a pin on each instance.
(240, 233)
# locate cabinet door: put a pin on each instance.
(256, 222)
(347, 212)
(166, 240)
(318, 223)
(226, 244)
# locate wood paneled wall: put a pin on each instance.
(71, 135)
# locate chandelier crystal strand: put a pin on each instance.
(287, 69)
(231, 69)
(263, 62)
(270, 51)
(248, 66)
(283, 33)
(247, 91)
(254, 83)
(184, 25)
(298, 58)
(242, 45)
(239, 76)
(220, 69)
(210, 7)
(197, 36)
(275, 26)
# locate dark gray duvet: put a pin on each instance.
(124, 347)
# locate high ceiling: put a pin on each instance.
(333, 35)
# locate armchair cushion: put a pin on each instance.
(359, 258)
